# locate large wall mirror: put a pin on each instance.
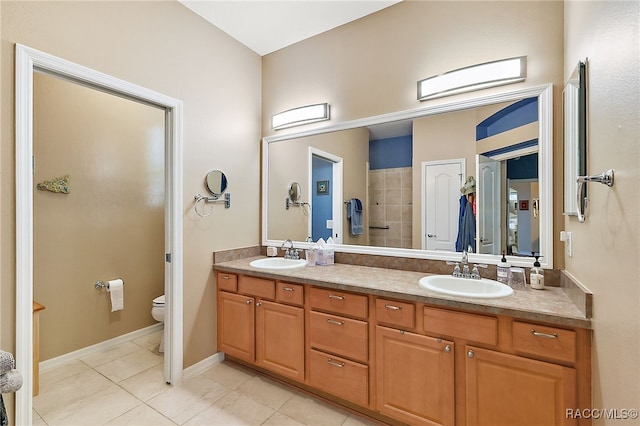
(405, 172)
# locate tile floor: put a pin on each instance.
(124, 386)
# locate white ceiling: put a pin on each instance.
(265, 26)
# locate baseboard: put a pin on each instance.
(203, 365)
(98, 347)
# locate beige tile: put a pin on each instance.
(233, 409)
(65, 392)
(312, 412)
(110, 354)
(147, 384)
(228, 374)
(279, 419)
(36, 420)
(355, 420)
(142, 415)
(51, 377)
(129, 365)
(182, 402)
(266, 392)
(95, 409)
(393, 179)
(149, 341)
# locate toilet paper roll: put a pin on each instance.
(116, 290)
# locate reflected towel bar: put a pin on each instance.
(379, 227)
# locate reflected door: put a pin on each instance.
(442, 182)
(488, 202)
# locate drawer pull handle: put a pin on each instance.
(392, 307)
(545, 335)
(287, 288)
(333, 296)
(225, 277)
(334, 322)
(335, 364)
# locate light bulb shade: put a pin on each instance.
(475, 77)
(301, 115)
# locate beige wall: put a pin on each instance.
(110, 225)
(165, 47)
(350, 145)
(371, 66)
(606, 247)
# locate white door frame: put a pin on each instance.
(28, 60)
(423, 192)
(336, 194)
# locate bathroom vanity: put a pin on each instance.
(374, 341)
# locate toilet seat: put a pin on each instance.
(159, 302)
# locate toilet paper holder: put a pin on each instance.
(99, 285)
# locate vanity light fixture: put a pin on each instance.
(301, 115)
(475, 77)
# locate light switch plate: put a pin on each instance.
(566, 237)
(329, 224)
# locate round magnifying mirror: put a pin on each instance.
(216, 183)
(294, 192)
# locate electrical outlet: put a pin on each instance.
(329, 224)
(566, 237)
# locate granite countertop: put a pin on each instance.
(551, 305)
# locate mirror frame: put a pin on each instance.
(545, 172)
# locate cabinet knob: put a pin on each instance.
(249, 301)
(259, 304)
(447, 348)
(470, 354)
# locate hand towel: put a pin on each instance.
(7, 362)
(116, 290)
(10, 381)
(354, 214)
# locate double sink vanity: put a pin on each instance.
(390, 345)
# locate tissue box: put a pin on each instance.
(324, 257)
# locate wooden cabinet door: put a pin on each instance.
(415, 379)
(503, 389)
(236, 317)
(280, 339)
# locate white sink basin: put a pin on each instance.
(278, 263)
(465, 287)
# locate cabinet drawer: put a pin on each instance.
(338, 302)
(339, 335)
(394, 313)
(338, 376)
(292, 294)
(548, 342)
(257, 287)
(227, 282)
(472, 327)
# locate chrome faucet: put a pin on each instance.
(464, 271)
(290, 252)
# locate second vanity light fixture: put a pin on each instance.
(475, 77)
(301, 115)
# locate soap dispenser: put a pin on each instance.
(503, 270)
(536, 276)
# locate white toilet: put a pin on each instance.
(157, 312)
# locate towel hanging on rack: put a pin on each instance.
(354, 214)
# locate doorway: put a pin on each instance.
(440, 203)
(28, 61)
(325, 184)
